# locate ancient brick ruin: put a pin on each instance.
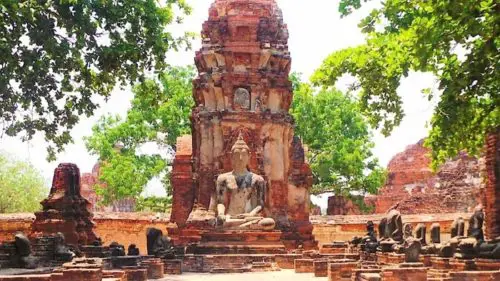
(242, 99)
(456, 187)
(65, 210)
(243, 89)
(492, 198)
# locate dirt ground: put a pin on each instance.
(284, 275)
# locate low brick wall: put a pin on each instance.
(343, 228)
(124, 228)
(128, 228)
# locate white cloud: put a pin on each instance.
(316, 30)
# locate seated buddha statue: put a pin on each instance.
(239, 198)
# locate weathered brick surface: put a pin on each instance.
(412, 184)
(321, 268)
(172, 267)
(243, 88)
(341, 271)
(475, 276)
(39, 277)
(287, 261)
(304, 266)
(492, 198)
(404, 274)
(65, 210)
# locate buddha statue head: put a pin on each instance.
(240, 155)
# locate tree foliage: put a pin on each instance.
(22, 187)
(58, 56)
(338, 141)
(458, 41)
(159, 113)
(154, 204)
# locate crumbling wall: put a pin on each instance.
(456, 187)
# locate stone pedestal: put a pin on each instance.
(136, 273)
(321, 268)
(172, 267)
(118, 275)
(341, 271)
(287, 261)
(426, 260)
(475, 276)
(65, 210)
(487, 264)
(334, 248)
(404, 274)
(304, 266)
(441, 263)
(155, 268)
(238, 242)
(462, 265)
(366, 274)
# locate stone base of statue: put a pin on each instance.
(248, 242)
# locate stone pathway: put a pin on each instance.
(284, 275)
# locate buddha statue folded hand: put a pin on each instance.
(239, 198)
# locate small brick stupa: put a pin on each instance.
(243, 89)
(65, 210)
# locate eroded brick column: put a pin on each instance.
(492, 198)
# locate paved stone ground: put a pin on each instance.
(284, 275)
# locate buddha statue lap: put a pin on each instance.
(239, 198)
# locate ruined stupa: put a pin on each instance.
(243, 88)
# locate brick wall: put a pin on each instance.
(127, 228)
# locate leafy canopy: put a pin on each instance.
(458, 41)
(160, 113)
(22, 187)
(58, 56)
(338, 141)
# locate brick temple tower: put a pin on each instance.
(65, 210)
(243, 87)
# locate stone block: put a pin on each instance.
(475, 276)
(440, 263)
(304, 266)
(365, 274)
(487, 264)
(404, 274)
(120, 275)
(33, 277)
(155, 268)
(136, 273)
(341, 271)
(462, 265)
(172, 267)
(287, 261)
(87, 274)
(321, 268)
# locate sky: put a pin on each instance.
(316, 30)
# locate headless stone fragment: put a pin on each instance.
(23, 256)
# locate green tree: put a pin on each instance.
(57, 56)
(338, 141)
(160, 113)
(22, 187)
(458, 41)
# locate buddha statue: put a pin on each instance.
(393, 231)
(474, 245)
(240, 194)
